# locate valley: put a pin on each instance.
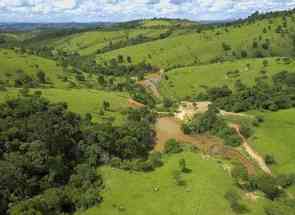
(153, 116)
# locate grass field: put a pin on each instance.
(188, 81)
(205, 47)
(276, 137)
(10, 62)
(82, 101)
(88, 43)
(204, 192)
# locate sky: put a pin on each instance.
(124, 10)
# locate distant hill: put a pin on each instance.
(35, 26)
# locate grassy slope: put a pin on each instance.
(203, 194)
(166, 22)
(79, 100)
(207, 46)
(11, 61)
(276, 136)
(89, 42)
(188, 81)
(82, 100)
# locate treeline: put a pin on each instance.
(119, 66)
(275, 94)
(49, 155)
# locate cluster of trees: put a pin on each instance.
(210, 122)
(119, 66)
(24, 80)
(274, 188)
(275, 94)
(122, 66)
(49, 155)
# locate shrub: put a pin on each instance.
(269, 159)
(269, 186)
(178, 178)
(244, 54)
(234, 199)
(172, 146)
(167, 102)
(246, 129)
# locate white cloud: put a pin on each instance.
(120, 10)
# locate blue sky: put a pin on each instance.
(123, 10)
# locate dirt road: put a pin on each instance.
(151, 83)
(252, 153)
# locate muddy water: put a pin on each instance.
(170, 128)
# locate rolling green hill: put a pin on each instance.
(190, 81)
(12, 63)
(88, 43)
(96, 71)
(266, 37)
(133, 193)
(82, 101)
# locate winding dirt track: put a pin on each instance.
(252, 153)
(170, 127)
(151, 83)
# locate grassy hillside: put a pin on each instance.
(189, 81)
(87, 43)
(134, 193)
(274, 37)
(167, 23)
(276, 137)
(11, 62)
(82, 101)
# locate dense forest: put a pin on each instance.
(49, 155)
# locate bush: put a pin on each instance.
(172, 146)
(246, 129)
(234, 199)
(269, 186)
(167, 102)
(233, 140)
(286, 181)
(244, 54)
(269, 159)
(178, 178)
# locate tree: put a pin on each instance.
(255, 45)
(269, 159)
(244, 53)
(182, 165)
(41, 76)
(226, 47)
(129, 60)
(167, 102)
(234, 199)
(269, 186)
(172, 146)
(106, 105)
(120, 59)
